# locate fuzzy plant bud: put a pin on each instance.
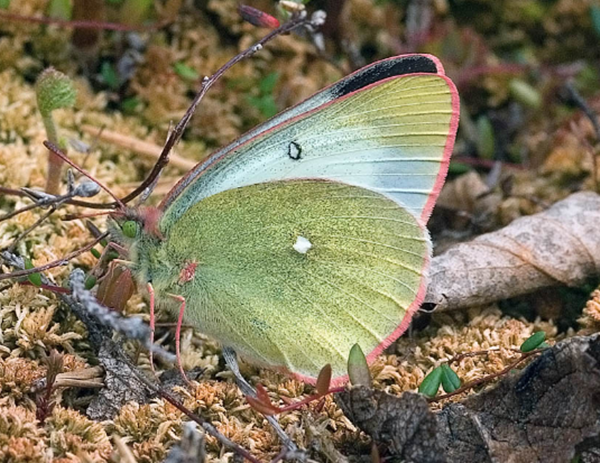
(257, 18)
(291, 7)
(86, 189)
(54, 90)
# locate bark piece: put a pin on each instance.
(549, 412)
(560, 245)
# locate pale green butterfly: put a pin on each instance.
(307, 235)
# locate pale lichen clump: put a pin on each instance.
(450, 335)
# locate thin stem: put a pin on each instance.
(55, 263)
(5, 16)
(33, 227)
(207, 83)
(56, 150)
(55, 163)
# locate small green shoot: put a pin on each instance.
(95, 253)
(61, 9)
(450, 380)
(54, 90)
(485, 138)
(90, 282)
(265, 102)
(431, 383)
(109, 75)
(4, 4)
(533, 342)
(35, 278)
(358, 369)
(525, 93)
(185, 72)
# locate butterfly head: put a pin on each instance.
(131, 224)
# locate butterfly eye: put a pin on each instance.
(130, 229)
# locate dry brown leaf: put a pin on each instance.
(560, 245)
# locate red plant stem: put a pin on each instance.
(306, 400)
(52, 288)
(5, 16)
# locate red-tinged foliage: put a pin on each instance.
(324, 380)
(258, 18)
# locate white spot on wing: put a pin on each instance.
(302, 245)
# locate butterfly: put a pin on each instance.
(307, 235)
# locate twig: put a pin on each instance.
(207, 83)
(130, 327)
(5, 16)
(55, 263)
(143, 148)
(231, 360)
(36, 224)
(485, 379)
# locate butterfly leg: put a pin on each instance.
(231, 360)
(178, 337)
(152, 324)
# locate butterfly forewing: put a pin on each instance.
(393, 136)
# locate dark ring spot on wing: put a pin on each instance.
(294, 151)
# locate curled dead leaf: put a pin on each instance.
(560, 245)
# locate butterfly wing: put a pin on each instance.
(389, 128)
(293, 273)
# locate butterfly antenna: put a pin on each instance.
(57, 151)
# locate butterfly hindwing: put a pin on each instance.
(301, 306)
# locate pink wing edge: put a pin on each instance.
(414, 306)
(221, 153)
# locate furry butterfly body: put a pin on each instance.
(307, 235)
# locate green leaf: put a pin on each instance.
(265, 104)
(450, 380)
(267, 84)
(130, 105)
(35, 278)
(95, 253)
(533, 342)
(430, 385)
(458, 168)
(525, 93)
(61, 9)
(109, 75)
(90, 282)
(185, 72)
(485, 138)
(358, 368)
(4, 4)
